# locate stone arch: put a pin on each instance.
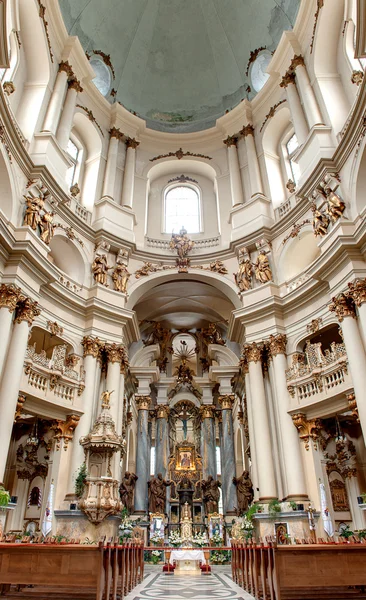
(297, 254)
(67, 257)
(223, 355)
(184, 396)
(145, 356)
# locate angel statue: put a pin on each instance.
(100, 269)
(262, 269)
(105, 398)
(181, 243)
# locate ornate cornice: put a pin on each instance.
(231, 140)
(9, 296)
(277, 344)
(27, 310)
(227, 401)
(114, 132)
(357, 289)
(288, 78)
(307, 429)
(179, 154)
(91, 346)
(253, 352)
(162, 411)
(247, 130)
(208, 411)
(142, 402)
(343, 306)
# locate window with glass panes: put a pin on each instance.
(182, 209)
(291, 147)
(73, 152)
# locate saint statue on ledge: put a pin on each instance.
(157, 494)
(210, 494)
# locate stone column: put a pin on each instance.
(228, 454)
(261, 428)
(208, 446)
(307, 95)
(237, 195)
(142, 456)
(296, 110)
(162, 439)
(357, 289)
(344, 308)
(91, 348)
(115, 136)
(54, 109)
(67, 115)
(115, 356)
(253, 456)
(9, 296)
(129, 174)
(293, 470)
(255, 177)
(27, 311)
(353, 491)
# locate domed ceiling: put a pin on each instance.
(179, 64)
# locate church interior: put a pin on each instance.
(183, 299)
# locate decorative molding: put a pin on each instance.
(164, 244)
(253, 352)
(10, 295)
(314, 326)
(27, 310)
(42, 12)
(307, 429)
(227, 401)
(106, 59)
(357, 289)
(357, 77)
(320, 4)
(3, 140)
(288, 78)
(252, 57)
(70, 233)
(162, 411)
(247, 130)
(64, 430)
(179, 154)
(297, 61)
(91, 346)
(271, 113)
(343, 306)
(277, 344)
(19, 408)
(8, 87)
(116, 133)
(208, 411)
(54, 328)
(296, 228)
(182, 179)
(132, 143)
(142, 402)
(90, 116)
(231, 140)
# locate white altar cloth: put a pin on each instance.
(187, 555)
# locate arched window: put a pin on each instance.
(291, 147)
(182, 209)
(74, 152)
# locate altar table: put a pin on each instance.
(182, 554)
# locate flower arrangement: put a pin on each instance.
(200, 539)
(4, 497)
(155, 556)
(156, 540)
(220, 557)
(126, 525)
(174, 539)
(216, 539)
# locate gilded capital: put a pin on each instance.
(253, 352)
(208, 411)
(116, 133)
(307, 429)
(9, 296)
(287, 79)
(27, 310)
(227, 401)
(91, 346)
(132, 143)
(343, 306)
(65, 430)
(19, 409)
(142, 402)
(74, 84)
(115, 353)
(65, 67)
(247, 130)
(357, 290)
(277, 344)
(352, 405)
(162, 411)
(231, 140)
(297, 61)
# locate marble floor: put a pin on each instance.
(157, 586)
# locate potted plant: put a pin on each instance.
(174, 539)
(216, 540)
(156, 540)
(155, 557)
(4, 501)
(274, 508)
(293, 505)
(80, 481)
(126, 525)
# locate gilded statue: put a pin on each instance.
(243, 278)
(244, 492)
(181, 243)
(320, 221)
(335, 206)
(212, 335)
(157, 494)
(120, 277)
(31, 215)
(106, 397)
(126, 490)
(262, 269)
(47, 227)
(210, 494)
(100, 269)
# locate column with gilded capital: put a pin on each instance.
(253, 457)
(67, 115)
(115, 136)
(344, 307)
(228, 454)
(237, 195)
(27, 310)
(142, 454)
(296, 110)
(54, 109)
(357, 290)
(91, 347)
(9, 296)
(255, 177)
(129, 174)
(307, 95)
(208, 441)
(293, 470)
(162, 439)
(261, 429)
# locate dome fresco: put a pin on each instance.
(179, 64)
